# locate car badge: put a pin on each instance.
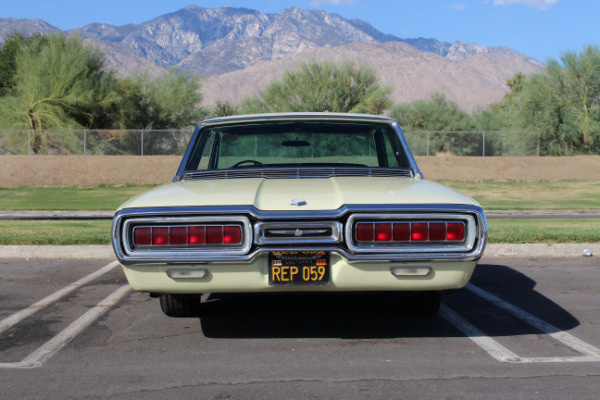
(298, 232)
(299, 202)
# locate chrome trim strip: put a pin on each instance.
(250, 257)
(248, 212)
(425, 247)
(295, 172)
(294, 236)
(263, 215)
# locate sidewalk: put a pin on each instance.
(536, 250)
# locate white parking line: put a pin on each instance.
(492, 347)
(501, 353)
(32, 309)
(44, 352)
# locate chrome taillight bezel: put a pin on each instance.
(356, 246)
(150, 251)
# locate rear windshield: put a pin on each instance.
(294, 144)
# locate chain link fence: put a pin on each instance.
(94, 142)
(174, 142)
(474, 143)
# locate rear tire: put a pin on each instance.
(180, 305)
(422, 304)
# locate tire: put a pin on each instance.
(422, 304)
(180, 305)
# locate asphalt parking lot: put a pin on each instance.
(523, 328)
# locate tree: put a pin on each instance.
(320, 87)
(224, 108)
(58, 83)
(170, 101)
(438, 114)
(8, 61)
(562, 104)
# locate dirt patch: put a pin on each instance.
(583, 168)
(89, 171)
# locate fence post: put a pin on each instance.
(84, 141)
(483, 140)
(142, 150)
(29, 142)
(427, 144)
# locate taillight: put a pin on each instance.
(191, 235)
(418, 231)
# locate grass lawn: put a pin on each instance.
(67, 198)
(55, 232)
(492, 195)
(499, 195)
(540, 195)
(500, 231)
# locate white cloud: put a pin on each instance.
(539, 4)
(319, 3)
(458, 6)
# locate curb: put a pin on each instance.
(91, 252)
(540, 250)
(87, 252)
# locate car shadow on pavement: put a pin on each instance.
(377, 315)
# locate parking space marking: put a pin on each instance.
(48, 349)
(32, 309)
(492, 347)
(501, 353)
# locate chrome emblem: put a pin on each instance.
(298, 232)
(299, 202)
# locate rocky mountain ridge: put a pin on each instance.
(219, 40)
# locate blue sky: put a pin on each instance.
(539, 28)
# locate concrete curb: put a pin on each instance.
(540, 250)
(87, 252)
(536, 250)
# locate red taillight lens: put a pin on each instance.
(455, 231)
(143, 236)
(365, 232)
(401, 231)
(160, 236)
(421, 231)
(214, 235)
(383, 232)
(193, 235)
(196, 234)
(437, 231)
(232, 235)
(179, 235)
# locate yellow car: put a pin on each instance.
(299, 202)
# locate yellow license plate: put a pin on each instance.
(299, 268)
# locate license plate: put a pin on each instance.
(299, 268)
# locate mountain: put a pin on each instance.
(25, 26)
(220, 40)
(231, 46)
(472, 82)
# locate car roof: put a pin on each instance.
(296, 116)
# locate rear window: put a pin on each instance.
(293, 144)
